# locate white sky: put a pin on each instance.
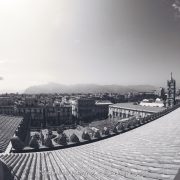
(84, 41)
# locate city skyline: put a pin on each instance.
(93, 42)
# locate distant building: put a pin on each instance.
(31, 101)
(125, 110)
(6, 101)
(178, 100)
(34, 113)
(171, 92)
(7, 110)
(83, 109)
(151, 103)
(58, 115)
(88, 109)
(101, 109)
(6, 105)
(43, 116)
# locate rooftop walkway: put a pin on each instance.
(150, 152)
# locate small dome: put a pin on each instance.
(74, 138)
(158, 100)
(62, 139)
(86, 136)
(48, 142)
(17, 143)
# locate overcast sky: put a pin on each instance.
(122, 42)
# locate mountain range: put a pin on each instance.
(88, 88)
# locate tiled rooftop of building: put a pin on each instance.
(8, 126)
(138, 107)
(150, 152)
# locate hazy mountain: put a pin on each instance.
(87, 88)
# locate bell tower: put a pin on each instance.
(171, 92)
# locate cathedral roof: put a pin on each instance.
(149, 152)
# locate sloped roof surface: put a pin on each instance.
(5, 173)
(150, 152)
(8, 126)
